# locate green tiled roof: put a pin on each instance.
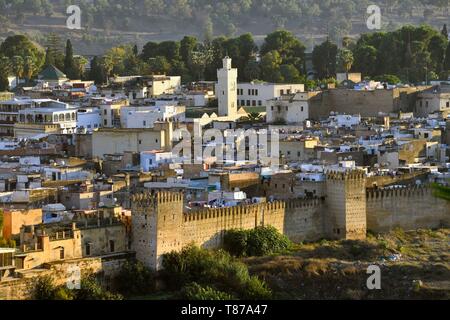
(52, 73)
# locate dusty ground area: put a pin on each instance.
(413, 265)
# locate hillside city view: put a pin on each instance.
(236, 151)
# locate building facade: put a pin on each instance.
(258, 94)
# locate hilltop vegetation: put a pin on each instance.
(111, 22)
(408, 55)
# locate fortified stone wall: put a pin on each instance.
(207, 227)
(408, 208)
(366, 103)
(159, 224)
(345, 211)
(304, 219)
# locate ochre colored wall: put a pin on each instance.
(407, 208)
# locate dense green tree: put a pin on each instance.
(49, 58)
(187, 46)
(28, 67)
(169, 49)
(252, 71)
(159, 65)
(409, 53)
(289, 48)
(260, 241)
(97, 73)
(365, 60)
(21, 46)
(270, 67)
(324, 59)
(150, 50)
(290, 74)
(18, 65)
(54, 51)
(69, 65)
(80, 63)
(5, 72)
(194, 291)
(437, 46)
(214, 269)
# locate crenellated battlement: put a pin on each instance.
(148, 199)
(168, 196)
(304, 203)
(400, 192)
(161, 225)
(346, 175)
(213, 213)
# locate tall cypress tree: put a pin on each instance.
(69, 64)
(49, 58)
(447, 59)
(444, 31)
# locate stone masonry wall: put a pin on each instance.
(408, 208)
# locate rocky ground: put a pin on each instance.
(414, 265)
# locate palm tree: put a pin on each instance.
(80, 64)
(5, 66)
(253, 117)
(18, 67)
(29, 67)
(5, 71)
(107, 64)
(345, 58)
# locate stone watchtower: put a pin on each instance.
(157, 222)
(346, 205)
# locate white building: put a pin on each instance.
(145, 117)
(110, 110)
(257, 94)
(345, 120)
(226, 199)
(149, 86)
(226, 89)
(198, 98)
(292, 109)
(9, 111)
(36, 121)
(89, 119)
(152, 159)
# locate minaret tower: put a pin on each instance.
(226, 90)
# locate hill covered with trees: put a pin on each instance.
(111, 22)
(408, 55)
